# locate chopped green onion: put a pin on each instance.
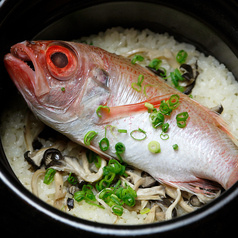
(49, 176)
(104, 144)
(137, 58)
(181, 56)
(63, 89)
(149, 106)
(72, 179)
(120, 148)
(157, 119)
(99, 108)
(165, 109)
(79, 196)
(174, 101)
(175, 147)
(98, 162)
(111, 128)
(154, 147)
(139, 130)
(155, 64)
(118, 210)
(147, 85)
(165, 127)
(145, 210)
(138, 84)
(122, 131)
(90, 156)
(119, 157)
(137, 89)
(164, 136)
(87, 195)
(89, 136)
(129, 200)
(181, 119)
(178, 75)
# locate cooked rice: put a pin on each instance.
(215, 85)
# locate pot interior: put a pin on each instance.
(139, 15)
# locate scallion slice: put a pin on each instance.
(104, 144)
(149, 106)
(138, 84)
(164, 136)
(175, 147)
(122, 130)
(120, 148)
(154, 147)
(155, 63)
(88, 137)
(139, 130)
(181, 57)
(145, 210)
(137, 58)
(99, 108)
(72, 179)
(49, 176)
(181, 119)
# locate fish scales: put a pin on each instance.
(95, 77)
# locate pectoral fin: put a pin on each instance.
(128, 110)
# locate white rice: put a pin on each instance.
(215, 85)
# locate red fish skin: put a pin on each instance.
(107, 78)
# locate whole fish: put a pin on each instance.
(68, 81)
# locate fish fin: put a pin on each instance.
(198, 186)
(123, 111)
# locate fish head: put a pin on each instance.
(50, 75)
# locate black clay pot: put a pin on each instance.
(210, 25)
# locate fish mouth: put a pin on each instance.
(25, 71)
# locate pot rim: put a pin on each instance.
(6, 176)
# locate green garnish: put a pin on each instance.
(149, 106)
(174, 101)
(164, 136)
(104, 144)
(175, 147)
(87, 195)
(93, 157)
(88, 137)
(154, 147)
(120, 148)
(181, 57)
(181, 119)
(165, 109)
(176, 76)
(155, 64)
(99, 108)
(144, 211)
(165, 127)
(156, 118)
(138, 84)
(72, 179)
(49, 176)
(147, 85)
(137, 58)
(139, 130)
(122, 130)
(63, 89)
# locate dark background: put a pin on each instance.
(19, 213)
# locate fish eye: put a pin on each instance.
(61, 61)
